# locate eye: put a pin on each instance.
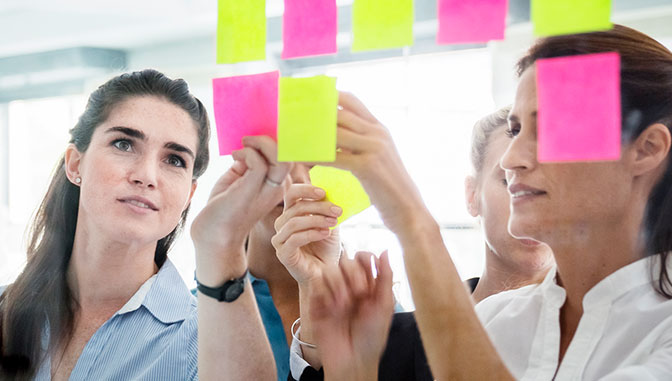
(123, 145)
(176, 161)
(513, 130)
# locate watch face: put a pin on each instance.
(233, 291)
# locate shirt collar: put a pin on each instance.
(164, 295)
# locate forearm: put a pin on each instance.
(450, 329)
(311, 355)
(232, 341)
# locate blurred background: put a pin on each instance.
(54, 53)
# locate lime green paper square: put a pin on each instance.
(381, 24)
(342, 188)
(241, 31)
(554, 17)
(307, 109)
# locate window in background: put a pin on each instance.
(38, 135)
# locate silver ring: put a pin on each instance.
(272, 183)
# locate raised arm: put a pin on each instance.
(450, 330)
(232, 342)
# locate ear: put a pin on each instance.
(194, 185)
(73, 159)
(471, 196)
(650, 149)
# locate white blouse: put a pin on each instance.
(625, 332)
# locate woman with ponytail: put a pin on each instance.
(98, 297)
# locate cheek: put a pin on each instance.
(495, 212)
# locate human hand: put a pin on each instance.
(367, 150)
(351, 313)
(245, 193)
(304, 243)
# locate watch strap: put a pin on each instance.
(228, 292)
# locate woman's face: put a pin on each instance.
(490, 200)
(136, 175)
(557, 202)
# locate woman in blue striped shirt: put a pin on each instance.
(98, 298)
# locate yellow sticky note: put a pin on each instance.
(381, 24)
(241, 31)
(555, 17)
(307, 109)
(342, 188)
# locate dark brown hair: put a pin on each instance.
(40, 296)
(646, 99)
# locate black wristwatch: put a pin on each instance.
(228, 292)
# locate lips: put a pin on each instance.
(518, 191)
(139, 202)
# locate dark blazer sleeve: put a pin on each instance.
(403, 359)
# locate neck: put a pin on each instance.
(105, 274)
(593, 254)
(264, 264)
(500, 276)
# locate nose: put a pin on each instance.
(144, 172)
(521, 155)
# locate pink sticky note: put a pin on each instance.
(579, 108)
(309, 28)
(471, 21)
(245, 105)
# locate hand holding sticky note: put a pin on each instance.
(579, 108)
(342, 188)
(245, 105)
(307, 110)
(554, 17)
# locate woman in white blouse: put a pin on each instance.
(604, 312)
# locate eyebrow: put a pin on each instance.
(514, 118)
(132, 132)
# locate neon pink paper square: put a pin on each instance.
(471, 21)
(245, 105)
(309, 28)
(579, 108)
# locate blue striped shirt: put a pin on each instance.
(152, 337)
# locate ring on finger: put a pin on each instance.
(272, 183)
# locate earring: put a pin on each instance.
(78, 180)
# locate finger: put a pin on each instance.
(352, 141)
(235, 172)
(304, 208)
(269, 151)
(340, 293)
(255, 163)
(302, 191)
(384, 280)
(354, 276)
(301, 223)
(364, 258)
(353, 122)
(287, 251)
(351, 102)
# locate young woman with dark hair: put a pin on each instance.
(98, 297)
(603, 312)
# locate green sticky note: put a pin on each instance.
(342, 188)
(307, 109)
(241, 31)
(554, 17)
(381, 24)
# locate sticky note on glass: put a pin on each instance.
(342, 188)
(471, 21)
(309, 28)
(554, 17)
(241, 31)
(579, 108)
(381, 24)
(245, 105)
(307, 109)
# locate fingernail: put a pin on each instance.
(331, 221)
(319, 192)
(336, 210)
